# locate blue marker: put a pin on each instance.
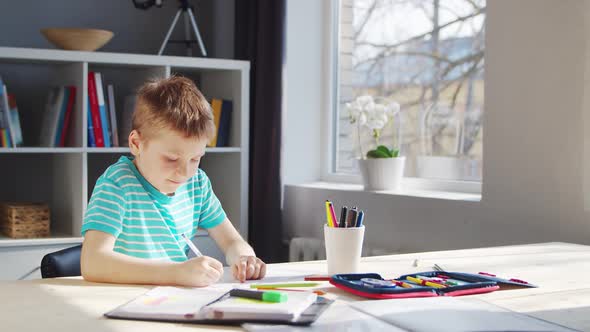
(359, 220)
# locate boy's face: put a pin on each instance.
(166, 159)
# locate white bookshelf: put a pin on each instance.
(65, 177)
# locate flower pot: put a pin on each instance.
(382, 173)
(448, 168)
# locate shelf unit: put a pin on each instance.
(64, 177)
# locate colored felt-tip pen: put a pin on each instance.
(266, 296)
(286, 285)
(343, 216)
(360, 218)
(332, 214)
(419, 281)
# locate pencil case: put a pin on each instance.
(463, 284)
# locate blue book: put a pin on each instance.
(5, 115)
(224, 123)
(62, 113)
(104, 120)
(91, 141)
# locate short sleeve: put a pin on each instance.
(106, 208)
(211, 213)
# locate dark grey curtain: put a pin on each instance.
(260, 39)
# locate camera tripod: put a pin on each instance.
(189, 20)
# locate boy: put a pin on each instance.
(142, 205)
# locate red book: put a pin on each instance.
(94, 112)
(69, 109)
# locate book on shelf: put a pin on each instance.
(61, 116)
(51, 116)
(66, 124)
(95, 112)
(7, 140)
(224, 123)
(6, 122)
(3, 138)
(222, 110)
(104, 120)
(15, 118)
(113, 115)
(91, 141)
(59, 109)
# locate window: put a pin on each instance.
(427, 55)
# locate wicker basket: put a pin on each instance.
(24, 220)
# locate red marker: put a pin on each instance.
(487, 274)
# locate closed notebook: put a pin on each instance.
(214, 305)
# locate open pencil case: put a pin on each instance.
(415, 285)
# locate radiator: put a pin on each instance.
(306, 249)
(312, 249)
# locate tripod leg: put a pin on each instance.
(169, 31)
(187, 33)
(194, 24)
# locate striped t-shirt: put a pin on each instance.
(145, 222)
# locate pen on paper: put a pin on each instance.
(191, 245)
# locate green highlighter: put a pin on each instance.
(266, 296)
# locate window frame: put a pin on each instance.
(330, 119)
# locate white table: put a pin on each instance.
(560, 269)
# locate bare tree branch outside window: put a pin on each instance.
(429, 56)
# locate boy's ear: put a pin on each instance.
(135, 142)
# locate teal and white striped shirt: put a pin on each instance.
(145, 222)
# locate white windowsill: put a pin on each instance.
(410, 192)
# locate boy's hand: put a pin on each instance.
(199, 272)
(249, 267)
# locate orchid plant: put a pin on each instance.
(365, 111)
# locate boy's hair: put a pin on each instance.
(174, 103)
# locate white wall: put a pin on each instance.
(534, 143)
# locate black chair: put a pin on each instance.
(63, 263)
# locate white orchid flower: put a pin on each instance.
(375, 124)
(354, 110)
(365, 111)
(380, 112)
(392, 108)
(362, 119)
(365, 101)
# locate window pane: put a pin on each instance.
(427, 55)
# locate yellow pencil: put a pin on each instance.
(419, 281)
(328, 217)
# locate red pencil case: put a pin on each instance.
(465, 284)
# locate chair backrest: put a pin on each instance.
(62, 263)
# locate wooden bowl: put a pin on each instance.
(77, 39)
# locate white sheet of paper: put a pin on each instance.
(172, 302)
(273, 274)
(338, 317)
(446, 314)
